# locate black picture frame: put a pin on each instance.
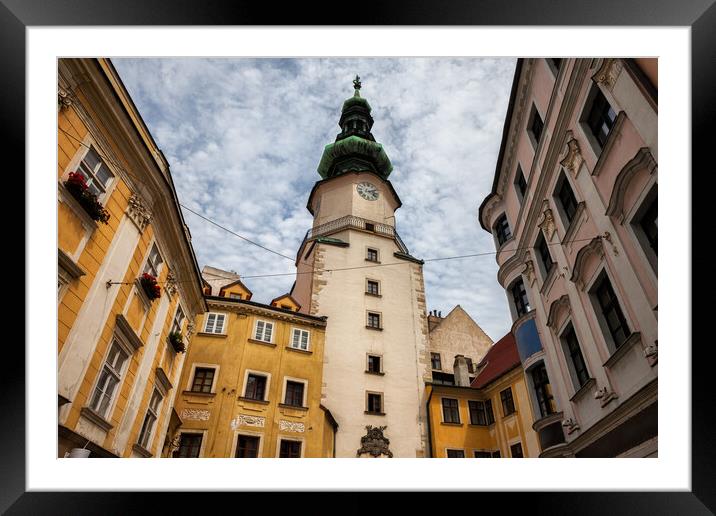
(700, 15)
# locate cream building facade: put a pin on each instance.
(353, 268)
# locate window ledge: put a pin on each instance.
(571, 230)
(141, 450)
(95, 418)
(292, 407)
(69, 199)
(203, 394)
(373, 295)
(373, 328)
(67, 265)
(451, 424)
(371, 261)
(263, 343)
(215, 335)
(479, 425)
(622, 350)
(374, 413)
(252, 400)
(583, 390)
(511, 414)
(379, 373)
(299, 350)
(549, 279)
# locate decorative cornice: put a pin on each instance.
(608, 72)
(127, 335)
(164, 384)
(642, 160)
(138, 212)
(595, 246)
(240, 306)
(573, 158)
(555, 309)
(547, 223)
(291, 426)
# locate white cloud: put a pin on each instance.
(244, 136)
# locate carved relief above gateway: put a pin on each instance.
(374, 443)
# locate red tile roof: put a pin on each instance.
(501, 358)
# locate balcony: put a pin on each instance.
(353, 222)
(549, 430)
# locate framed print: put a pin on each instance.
(474, 274)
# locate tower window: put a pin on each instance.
(372, 287)
(374, 320)
(502, 229)
(372, 255)
(435, 361)
(519, 297)
(374, 365)
(374, 403)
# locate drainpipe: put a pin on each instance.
(427, 413)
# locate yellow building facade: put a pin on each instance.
(490, 418)
(251, 385)
(120, 232)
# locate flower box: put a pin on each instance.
(175, 339)
(149, 284)
(77, 186)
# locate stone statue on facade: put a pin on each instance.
(374, 442)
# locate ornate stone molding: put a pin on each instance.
(529, 272)
(570, 424)
(170, 285)
(374, 443)
(651, 353)
(138, 212)
(555, 308)
(595, 246)
(195, 414)
(246, 420)
(190, 330)
(608, 237)
(291, 426)
(608, 72)
(605, 395)
(547, 223)
(573, 159)
(642, 160)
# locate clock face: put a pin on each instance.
(368, 191)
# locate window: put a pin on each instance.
(189, 446)
(555, 62)
(374, 364)
(649, 226)
(483, 455)
(375, 403)
(373, 320)
(149, 419)
(263, 332)
(567, 201)
(543, 390)
(502, 229)
(451, 413)
(508, 404)
(535, 126)
(496, 454)
(612, 314)
(234, 295)
(477, 413)
(544, 255)
(96, 174)
(247, 447)
(290, 449)
(255, 387)
(178, 320)
(516, 450)
(601, 117)
(520, 183)
(435, 361)
(109, 378)
(294, 394)
(579, 368)
(489, 413)
(300, 339)
(369, 226)
(372, 287)
(154, 262)
(371, 255)
(203, 379)
(443, 378)
(214, 323)
(519, 296)
(455, 454)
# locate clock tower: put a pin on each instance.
(354, 268)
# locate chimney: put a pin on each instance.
(460, 368)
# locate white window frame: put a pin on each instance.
(214, 325)
(367, 362)
(247, 372)
(80, 166)
(121, 374)
(290, 438)
(153, 412)
(464, 455)
(382, 402)
(194, 432)
(248, 433)
(300, 332)
(380, 319)
(287, 379)
(190, 381)
(377, 254)
(377, 282)
(153, 267)
(266, 325)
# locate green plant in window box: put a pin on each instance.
(177, 342)
(77, 186)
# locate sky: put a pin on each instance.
(243, 138)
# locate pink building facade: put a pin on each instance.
(573, 210)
